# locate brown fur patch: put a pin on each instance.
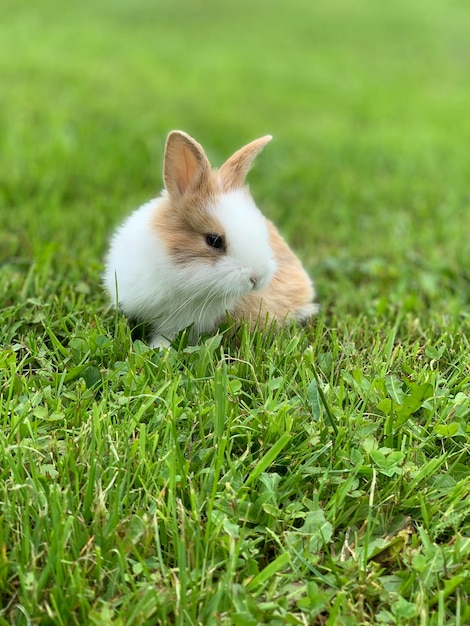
(182, 223)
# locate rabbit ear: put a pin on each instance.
(185, 165)
(235, 169)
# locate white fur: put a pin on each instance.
(247, 236)
(147, 284)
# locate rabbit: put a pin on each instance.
(202, 250)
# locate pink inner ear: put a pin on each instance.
(185, 163)
(190, 166)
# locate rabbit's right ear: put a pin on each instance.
(235, 169)
(185, 165)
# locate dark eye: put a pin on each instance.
(215, 241)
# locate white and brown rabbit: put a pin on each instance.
(203, 249)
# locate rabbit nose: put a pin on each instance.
(254, 281)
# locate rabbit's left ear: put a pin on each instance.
(235, 169)
(185, 165)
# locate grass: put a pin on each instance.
(304, 476)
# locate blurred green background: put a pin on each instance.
(368, 103)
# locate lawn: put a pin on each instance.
(314, 475)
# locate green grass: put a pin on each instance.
(304, 476)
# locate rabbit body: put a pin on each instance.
(203, 249)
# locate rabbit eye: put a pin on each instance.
(215, 241)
